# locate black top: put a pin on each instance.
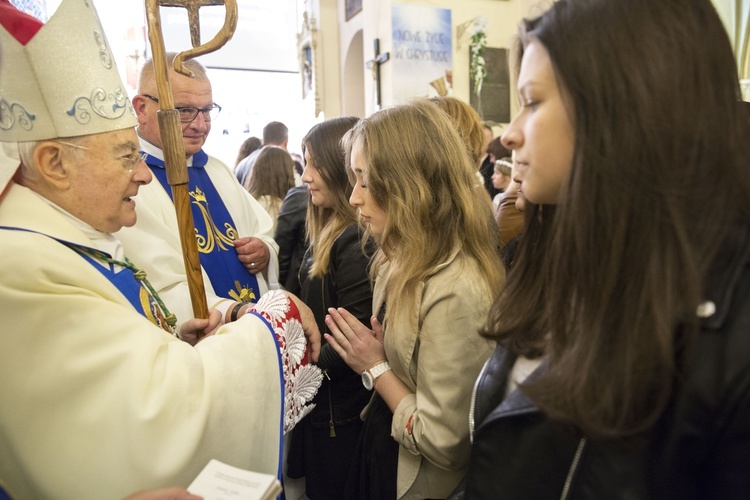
(346, 284)
(290, 236)
(699, 448)
(324, 443)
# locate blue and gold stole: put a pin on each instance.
(132, 288)
(125, 280)
(214, 232)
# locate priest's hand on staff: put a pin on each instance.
(197, 329)
(253, 254)
(309, 326)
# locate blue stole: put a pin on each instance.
(214, 232)
(134, 290)
(124, 280)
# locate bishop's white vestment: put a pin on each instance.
(98, 402)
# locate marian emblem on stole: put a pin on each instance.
(213, 237)
(216, 240)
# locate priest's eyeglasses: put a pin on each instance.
(190, 113)
(128, 160)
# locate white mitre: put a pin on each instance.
(62, 83)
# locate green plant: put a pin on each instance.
(477, 67)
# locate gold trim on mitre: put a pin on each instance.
(64, 82)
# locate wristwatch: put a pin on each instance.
(371, 374)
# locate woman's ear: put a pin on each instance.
(48, 157)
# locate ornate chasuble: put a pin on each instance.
(124, 280)
(214, 232)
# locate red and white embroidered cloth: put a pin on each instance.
(301, 379)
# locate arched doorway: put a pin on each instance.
(353, 84)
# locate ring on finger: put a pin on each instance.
(252, 265)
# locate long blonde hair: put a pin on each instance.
(325, 224)
(468, 123)
(420, 175)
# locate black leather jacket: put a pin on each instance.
(699, 449)
(346, 284)
(290, 236)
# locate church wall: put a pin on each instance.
(502, 17)
(330, 50)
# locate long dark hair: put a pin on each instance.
(524, 288)
(657, 180)
(248, 146)
(324, 224)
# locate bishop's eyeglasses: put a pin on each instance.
(129, 160)
(190, 113)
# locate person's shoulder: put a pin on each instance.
(297, 194)
(459, 276)
(295, 203)
(249, 159)
(351, 231)
(352, 236)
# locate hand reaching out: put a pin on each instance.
(309, 325)
(196, 329)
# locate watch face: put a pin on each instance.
(367, 380)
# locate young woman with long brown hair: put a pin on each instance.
(334, 273)
(624, 362)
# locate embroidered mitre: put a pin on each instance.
(63, 82)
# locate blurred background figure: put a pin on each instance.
(247, 147)
(299, 166)
(509, 216)
(487, 164)
(469, 125)
(501, 178)
(290, 236)
(495, 151)
(274, 134)
(270, 179)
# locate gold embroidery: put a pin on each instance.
(242, 294)
(215, 238)
(152, 310)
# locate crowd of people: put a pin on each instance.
(559, 312)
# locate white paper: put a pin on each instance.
(219, 481)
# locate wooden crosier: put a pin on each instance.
(171, 130)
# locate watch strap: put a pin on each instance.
(378, 369)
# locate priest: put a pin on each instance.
(233, 232)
